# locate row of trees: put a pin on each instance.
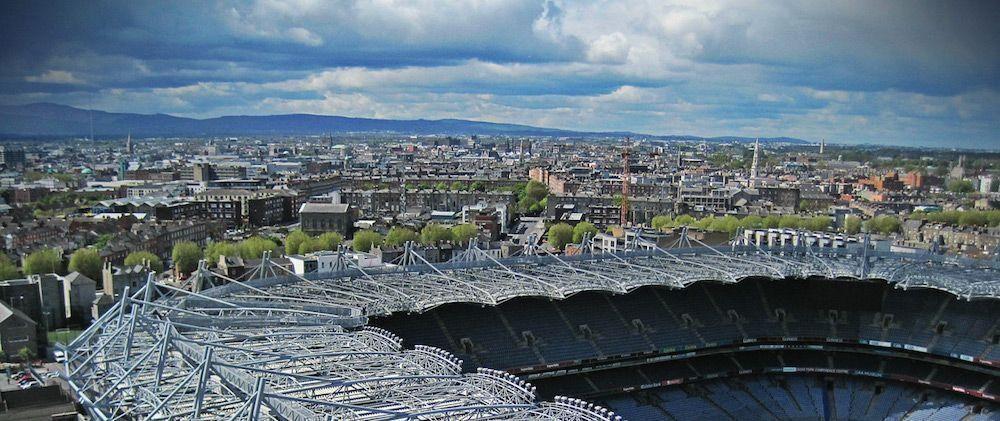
(731, 224)
(431, 235)
(298, 242)
(186, 255)
(990, 218)
(561, 234)
(441, 185)
(86, 260)
(251, 248)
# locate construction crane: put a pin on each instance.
(626, 176)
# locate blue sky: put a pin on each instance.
(916, 73)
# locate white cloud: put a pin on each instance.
(304, 36)
(609, 49)
(711, 67)
(60, 77)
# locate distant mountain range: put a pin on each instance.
(48, 120)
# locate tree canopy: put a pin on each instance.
(87, 261)
(254, 247)
(661, 222)
(43, 261)
(559, 235)
(883, 225)
(581, 229)
(220, 248)
(852, 225)
(8, 270)
(434, 234)
(330, 240)
(364, 240)
(532, 197)
(732, 224)
(990, 218)
(293, 240)
(398, 236)
(185, 256)
(463, 233)
(139, 257)
(961, 186)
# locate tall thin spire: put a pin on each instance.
(822, 146)
(626, 179)
(755, 165)
(129, 147)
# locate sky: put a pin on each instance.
(912, 73)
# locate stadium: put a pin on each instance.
(742, 332)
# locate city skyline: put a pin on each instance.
(901, 74)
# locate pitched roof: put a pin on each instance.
(6, 312)
(309, 207)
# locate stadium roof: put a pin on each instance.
(274, 345)
(483, 279)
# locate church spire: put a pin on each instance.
(755, 165)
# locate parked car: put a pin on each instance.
(30, 385)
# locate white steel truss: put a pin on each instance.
(490, 281)
(288, 347)
(149, 358)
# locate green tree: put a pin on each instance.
(87, 261)
(311, 244)
(789, 221)
(139, 257)
(728, 224)
(398, 236)
(221, 248)
(254, 247)
(457, 185)
(582, 229)
(852, 225)
(883, 225)
(43, 261)
(441, 186)
(683, 220)
(364, 240)
(536, 191)
(531, 195)
(434, 234)
(703, 223)
(185, 256)
(26, 354)
(330, 240)
(8, 270)
(477, 186)
(973, 218)
(961, 186)
(293, 240)
(463, 233)
(661, 222)
(819, 223)
(102, 241)
(559, 235)
(752, 222)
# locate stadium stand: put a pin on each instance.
(690, 333)
(595, 343)
(596, 324)
(799, 397)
